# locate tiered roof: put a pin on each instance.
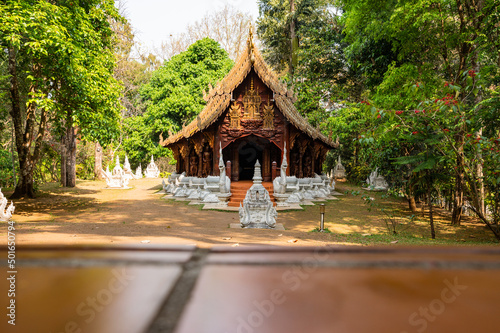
(219, 98)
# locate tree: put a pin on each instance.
(228, 27)
(436, 42)
(281, 27)
(59, 71)
(174, 96)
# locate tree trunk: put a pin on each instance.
(458, 200)
(13, 157)
(458, 203)
(412, 204)
(429, 202)
(24, 129)
(69, 159)
(98, 161)
(293, 41)
(63, 162)
(479, 174)
(411, 197)
(24, 186)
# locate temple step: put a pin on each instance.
(239, 191)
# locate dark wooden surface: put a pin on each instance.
(182, 289)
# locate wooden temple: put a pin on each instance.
(251, 114)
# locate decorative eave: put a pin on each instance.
(219, 98)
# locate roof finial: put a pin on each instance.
(250, 43)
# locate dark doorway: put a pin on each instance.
(248, 153)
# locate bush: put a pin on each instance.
(6, 175)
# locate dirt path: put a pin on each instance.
(91, 214)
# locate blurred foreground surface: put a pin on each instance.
(132, 289)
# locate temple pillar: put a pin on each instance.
(235, 165)
(301, 174)
(228, 168)
(200, 164)
(216, 155)
(266, 165)
(312, 164)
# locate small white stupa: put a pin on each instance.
(152, 170)
(257, 210)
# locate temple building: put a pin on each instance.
(251, 115)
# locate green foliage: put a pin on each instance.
(174, 95)
(69, 60)
(140, 142)
(48, 168)
(6, 175)
(85, 159)
(396, 91)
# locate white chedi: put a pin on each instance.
(5, 214)
(116, 178)
(126, 164)
(339, 171)
(152, 170)
(138, 172)
(257, 210)
(377, 182)
(127, 170)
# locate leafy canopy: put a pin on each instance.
(174, 96)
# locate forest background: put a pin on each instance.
(410, 86)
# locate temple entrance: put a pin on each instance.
(244, 152)
(248, 154)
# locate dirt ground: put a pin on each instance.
(91, 214)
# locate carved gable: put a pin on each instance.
(255, 113)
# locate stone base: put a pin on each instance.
(118, 188)
(375, 189)
(218, 206)
(224, 197)
(277, 226)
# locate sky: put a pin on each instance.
(154, 20)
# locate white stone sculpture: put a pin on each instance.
(224, 181)
(138, 172)
(181, 192)
(127, 171)
(211, 198)
(294, 198)
(5, 214)
(117, 178)
(152, 170)
(339, 170)
(196, 195)
(257, 210)
(290, 190)
(126, 165)
(377, 182)
(280, 183)
(169, 186)
(307, 194)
